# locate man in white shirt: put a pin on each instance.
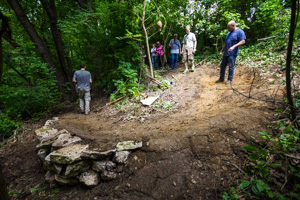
(189, 48)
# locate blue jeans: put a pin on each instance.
(174, 58)
(230, 60)
(154, 62)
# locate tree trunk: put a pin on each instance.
(288, 61)
(3, 189)
(165, 44)
(147, 40)
(59, 44)
(38, 43)
(1, 59)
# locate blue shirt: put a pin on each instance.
(175, 46)
(232, 38)
(82, 78)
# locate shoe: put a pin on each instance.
(186, 71)
(87, 113)
(219, 81)
(193, 68)
(229, 82)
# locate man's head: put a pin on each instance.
(231, 26)
(143, 47)
(153, 45)
(187, 29)
(158, 44)
(82, 66)
(175, 36)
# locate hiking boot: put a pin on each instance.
(219, 81)
(193, 68)
(186, 71)
(229, 82)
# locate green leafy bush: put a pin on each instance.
(7, 126)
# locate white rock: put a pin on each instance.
(42, 153)
(121, 156)
(96, 155)
(67, 155)
(77, 168)
(49, 123)
(99, 166)
(47, 140)
(44, 133)
(89, 178)
(65, 139)
(110, 166)
(129, 145)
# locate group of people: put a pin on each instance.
(188, 50)
(157, 55)
(233, 40)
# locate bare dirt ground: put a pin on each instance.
(194, 150)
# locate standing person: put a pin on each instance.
(175, 50)
(160, 53)
(154, 57)
(189, 45)
(83, 79)
(234, 38)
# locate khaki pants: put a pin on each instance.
(188, 55)
(84, 100)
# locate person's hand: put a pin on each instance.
(221, 54)
(181, 52)
(230, 49)
(194, 52)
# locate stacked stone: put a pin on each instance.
(68, 161)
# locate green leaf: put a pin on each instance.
(255, 190)
(264, 172)
(289, 129)
(244, 184)
(270, 193)
(250, 148)
(253, 156)
(260, 187)
(281, 124)
(225, 196)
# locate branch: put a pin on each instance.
(267, 38)
(292, 156)
(153, 34)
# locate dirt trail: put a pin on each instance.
(195, 150)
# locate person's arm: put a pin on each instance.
(171, 44)
(91, 78)
(240, 43)
(74, 78)
(222, 50)
(179, 48)
(194, 44)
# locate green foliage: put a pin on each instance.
(7, 126)
(35, 188)
(261, 166)
(127, 82)
(167, 106)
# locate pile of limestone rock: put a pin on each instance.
(69, 161)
